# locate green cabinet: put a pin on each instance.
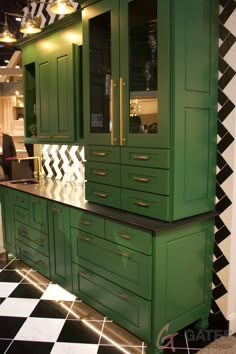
(140, 61)
(59, 241)
(52, 82)
(6, 196)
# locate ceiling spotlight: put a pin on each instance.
(61, 7)
(6, 36)
(31, 24)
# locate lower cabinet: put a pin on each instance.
(6, 196)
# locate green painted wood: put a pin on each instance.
(59, 241)
(21, 214)
(103, 194)
(21, 199)
(138, 156)
(38, 213)
(33, 238)
(102, 153)
(29, 89)
(128, 236)
(88, 222)
(121, 265)
(127, 309)
(6, 196)
(104, 173)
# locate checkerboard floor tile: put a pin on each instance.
(37, 316)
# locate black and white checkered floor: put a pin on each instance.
(39, 317)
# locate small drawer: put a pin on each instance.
(103, 194)
(21, 214)
(105, 173)
(33, 258)
(130, 269)
(130, 311)
(145, 179)
(155, 158)
(129, 236)
(87, 222)
(21, 199)
(33, 238)
(102, 154)
(147, 204)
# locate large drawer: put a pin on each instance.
(21, 199)
(34, 238)
(145, 179)
(102, 153)
(33, 258)
(21, 214)
(130, 269)
(147, 204)
(103, 194)
(129, 236)
(129, 310)
(105, 173)
(87, 222)
(155, 158)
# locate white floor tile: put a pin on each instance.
(40, 329)
(55, 292)
(17, 307)
(7, 288)
(74, 348)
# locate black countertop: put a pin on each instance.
(74, 196)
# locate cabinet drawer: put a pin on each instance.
(103, 194)
(155, 158)
(33, 238)
(103, 154)
(123, 266)
(21, 214)
(126, 308)
(88, 222)
(105, 173)
(33, 258)
(147, 204)
(129, 236)
(145, 179)
(21, 199)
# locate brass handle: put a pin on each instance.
(99, 173)
(44, 136)
(123, 296)
(35, 201)
(123, 253)
(121, 111)
(140, 179)
(102, 195)
(22, 232)
(127, 237)
(39, 262)
(87, 276)
(144, 205)
(98, 153)
(84, 238)
(55, 210)
(112, 111)
(141, 157)
(20, 215)
(84, 222)
(39, 242)
(19, 199)
(61, 136)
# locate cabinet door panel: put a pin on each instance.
(38, 213)
(7, 219)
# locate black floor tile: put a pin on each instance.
(18, 264)
(9, 326)
(3, 263)
(27, 291)
(118, 334)
(108, 349)
(199, 338)
(80, 310)
(26, 347)
(34, 277)
(2, 299)
(51, 309)
(76, 331)
(11, 276)
(4, 343)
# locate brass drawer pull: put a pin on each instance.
(87, 276)
(144, 205)
(39, 262)
(141, 157)
(22, 216)
(85, 238)
(127, 237)
(55, 210)
(101, 195)
(99, 173)
(61, 136)
(44, 136)
(22, 233)
(84, 222)
(39, 242)
(97, 153)
(123, 296)
(123, 253)
(139, 179)
(19, 199)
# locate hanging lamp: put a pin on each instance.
(61, 7)
(6, 36)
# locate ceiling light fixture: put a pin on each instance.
(6, 36)
(61, 7)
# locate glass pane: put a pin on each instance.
(143, 63)
(100, 72)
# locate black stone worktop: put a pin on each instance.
(73, 195)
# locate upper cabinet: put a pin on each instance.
(52, 82)
(122, 59)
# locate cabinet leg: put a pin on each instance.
(203, 323)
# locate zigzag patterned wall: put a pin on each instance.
(225, 153)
